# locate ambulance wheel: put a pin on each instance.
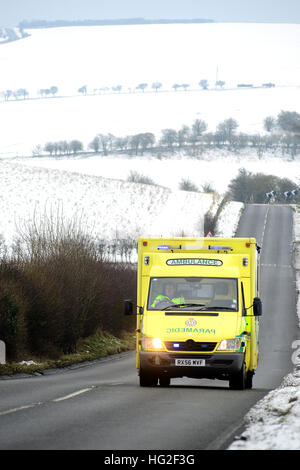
(147, 379)
(238, 381)
(164, 381)
(249, 378)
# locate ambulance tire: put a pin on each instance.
(164, 381)
(238, 381)
(249, 378)
(147, 379)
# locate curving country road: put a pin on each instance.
(101, 406)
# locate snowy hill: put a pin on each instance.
(216, 168)
(106, 208)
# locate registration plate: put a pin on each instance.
(190, 362)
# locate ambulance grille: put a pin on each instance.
(189, 345)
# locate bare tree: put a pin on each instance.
(134, 142)
(269, 123)
(105, 142)
(169, 138)
(95, 144)
(53, 90)
(203, 84)
(227, 128)
(176, 86)
(147, 139)
(49, 147)
(76, 146)
(156, 85)
(121, 143)
(220, 83)
(63, 147)
(117, 88)
(83, 90)
(142, 86)
(22, 92)
(183, 135)
(8, 94)
(289, 121)
(185, 86)
(199, 127)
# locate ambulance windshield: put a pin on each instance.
(193, 293)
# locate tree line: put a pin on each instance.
(23, 93)
(258, 188)
(282, 133)
(83, 90)
(26, 24)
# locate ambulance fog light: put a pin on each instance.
(229, 344)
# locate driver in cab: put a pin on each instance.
(168, 296)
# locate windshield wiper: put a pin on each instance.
(219, 308)
(201, 307)
(170, 307)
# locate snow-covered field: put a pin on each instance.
(214, 168)
(99, 57)
(128, 55)
(106, 208)
(28, 123)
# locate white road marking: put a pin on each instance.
(264, 228)
(32, 405)
(13, 410)
(74, 394)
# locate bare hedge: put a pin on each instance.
(60, 291)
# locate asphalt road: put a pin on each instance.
(101, 406)
(273, 230)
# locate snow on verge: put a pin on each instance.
(274, 422)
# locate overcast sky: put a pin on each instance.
(13, 11)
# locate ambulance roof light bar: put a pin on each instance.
(168, 247)
(224, 248)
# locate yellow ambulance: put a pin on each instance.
(198, 310)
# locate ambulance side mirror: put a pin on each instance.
(128, 307)
(257, 307)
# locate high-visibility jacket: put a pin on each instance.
(160, 298)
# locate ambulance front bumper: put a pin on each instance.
(196, 365)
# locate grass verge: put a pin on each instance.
(95, 347)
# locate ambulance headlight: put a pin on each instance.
(152, 343)
(230, 344)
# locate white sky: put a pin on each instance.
(14, 11)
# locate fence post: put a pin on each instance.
(2, 352)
